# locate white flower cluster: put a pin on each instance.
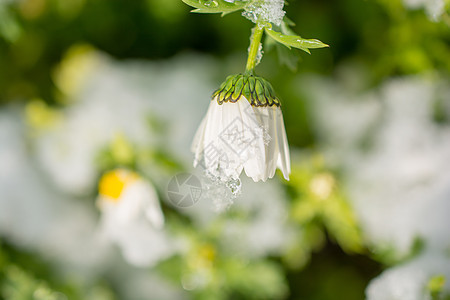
(46, 203)
(395, 156)
(100, 112)
(410, 280)
(265, 11)
(38, 218)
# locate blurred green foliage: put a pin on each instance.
(435, 286)
(23, 276)
(383, 35)
(319, 207)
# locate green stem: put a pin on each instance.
(254, 48)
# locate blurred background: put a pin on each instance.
(90, 89)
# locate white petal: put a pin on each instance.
(141, 244)
(129, 206)
(152, 209)
(212, 150)
(272, 146)
(253, 158)
(197, 143)
(231, 125)
(284, 161)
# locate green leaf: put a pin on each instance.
(294, 40)
(285, 27)
(436, 285)
(288, 58)
(285, 57)
(215, 6)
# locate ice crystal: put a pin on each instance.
(265, 11)
(259, 55)
(223, 191)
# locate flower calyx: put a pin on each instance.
(258, 91)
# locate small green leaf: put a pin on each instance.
(288, 58)
(287, 22)
(295, 40)
(285, 57)
(215, 6)
(435, 285)
(286, 27)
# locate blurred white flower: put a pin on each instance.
(398, 182)
(342, 116)
(132, 217)
(37, 218)
(120, 98)
(395, 156)
(401, 186)
(434, 8)
(409, 281)
(243, 130)
(105, 106)
(264, 229)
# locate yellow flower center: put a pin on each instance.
(113, 183)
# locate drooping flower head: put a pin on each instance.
(243, 130)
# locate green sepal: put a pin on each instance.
(215, 6)
(295, 41)
(251, 84)
(258, 91)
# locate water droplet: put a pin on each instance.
(222, 191)
(211, 3)
(235, 185)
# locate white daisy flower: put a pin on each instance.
(132, 217)
(243, 129)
